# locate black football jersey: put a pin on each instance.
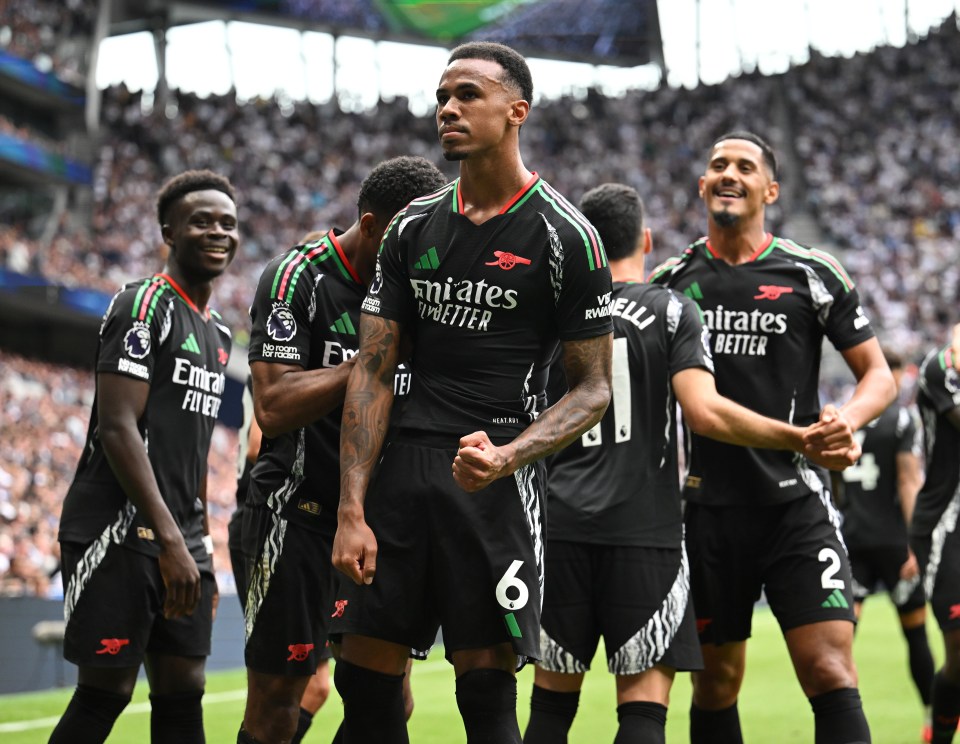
(619, 484)
(486, 304)
(939, 394)
(306, 312)
(153, 332)
(872, 514)
(767, 318)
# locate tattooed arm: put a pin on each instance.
(366, 415)
(587, 366)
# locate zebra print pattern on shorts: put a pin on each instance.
(529, 489)
(263, 570)
(651, 642)
(554, 658)
(115, 533)
(938, 538)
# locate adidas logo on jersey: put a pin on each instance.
(191, 344)
(836, 600)
(343, 324)
(429, 260)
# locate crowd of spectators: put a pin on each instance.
(55, 35)
(871, 149)
(44, 412)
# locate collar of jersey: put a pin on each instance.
(332, 236)
(527, 188)
(183, 296)
(767, 243)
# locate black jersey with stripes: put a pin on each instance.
(153, 332)
(486, 304)
(939, 394)
(619, 483)
(767, 318)
(872, 514)
(306, 312)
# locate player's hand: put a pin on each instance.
(181, 579)
(478, 462)
(910, 568)
(830, 441)
(355, 550)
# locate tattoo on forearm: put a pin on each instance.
(366, 409)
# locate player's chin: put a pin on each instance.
(453, 154)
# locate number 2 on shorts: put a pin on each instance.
(829, 555)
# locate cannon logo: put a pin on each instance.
(299, 651)
(772, 292)
(506, 260)
(339, 606)
(112, 646)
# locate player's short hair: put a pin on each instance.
(769, 156)
(616, 210)
(394, 183)
(515, 68)
(187, 182)
(894, 359)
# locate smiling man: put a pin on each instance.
(761, 519)
(137, 556)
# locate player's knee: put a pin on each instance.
(177, 718)
(826, 671)
(316, 692)
(717, 686)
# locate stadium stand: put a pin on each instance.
(870, 155)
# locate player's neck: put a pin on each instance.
(736, 244)
(487, 184)
(629, 269)
(196, 290)
(351, 243)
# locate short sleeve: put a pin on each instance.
(130, 334)
(282, 312)
(389, 295)
(689, 337)
(584, 287)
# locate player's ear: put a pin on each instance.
(772, 192)
(370, 226)
(700, 186)
(519, 110)
(647, 241)
(167, 234)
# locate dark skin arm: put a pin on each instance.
(206, 531)
(587, 364)
(711, 415)
(366, 416)
(121, 403)
(287, 397)
(875, 391)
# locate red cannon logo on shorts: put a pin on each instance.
(112, 646)
(954, 611)
(771, 292)
(299, 651)
(223, 356)
(506, 260)
(339, 606)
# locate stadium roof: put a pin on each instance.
(613, 32)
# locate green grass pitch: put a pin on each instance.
(772, 708)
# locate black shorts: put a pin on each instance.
(638, 599)
(239, 560)
(113, 603)
(881, 566)
(793, 552)
(291, 596)
(469, 562)
(939, 559)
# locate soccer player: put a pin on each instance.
(303, 344)
(760, 519)
(485, 279)
(138, 570)
(933, 530)
(616, 561)
(877, 498)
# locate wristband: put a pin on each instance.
(208, 544)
